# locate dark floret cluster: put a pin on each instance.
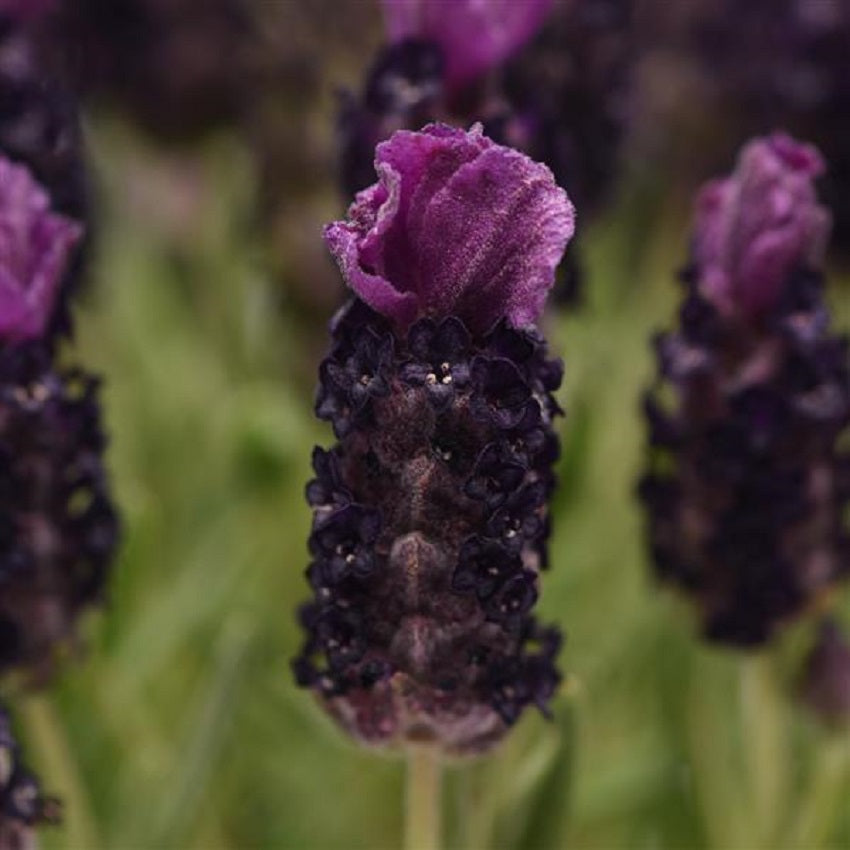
(429, 530)
(747, 485)
(22, 805)
(39, 128)
(58, 528)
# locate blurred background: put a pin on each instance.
(176, 722)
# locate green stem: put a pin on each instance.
(422, 806)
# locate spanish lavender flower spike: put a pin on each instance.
(22, 805)
(746, 484)
(429, 528)
(474, 36)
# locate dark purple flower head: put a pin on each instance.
(753, 228)
(36, 245)
(474, 35)
(429, 531)
(746, 422)
(456, 226)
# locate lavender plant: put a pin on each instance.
(430, 525)
(747, 484)
(547, 78)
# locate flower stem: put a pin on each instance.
(422, 806)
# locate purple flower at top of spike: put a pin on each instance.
(456, 225)
(753, 228)
(36, 246)
(475, 35)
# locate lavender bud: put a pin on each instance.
(825, 686)
(746, 483)
(429, 514)
(22, 805)
(58, 529)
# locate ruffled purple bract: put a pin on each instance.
(755, 227)
(475, 35)
(36, 245)
(456, 225)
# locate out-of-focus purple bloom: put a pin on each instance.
(457, 225)
(746, 484)
(474, 35)
(36, 246)
(754, 227)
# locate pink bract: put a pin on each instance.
(36, 245)
(456, 225)
(753, 228)
(475, 35)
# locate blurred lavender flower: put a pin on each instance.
(560, 97)
(22, 805)
(429, 526)
(825, 686)
(746, 484)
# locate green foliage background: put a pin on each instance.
(178, 725)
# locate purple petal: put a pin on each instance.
(754, 227)
(475, 35)
(35, 248)
(456, 225)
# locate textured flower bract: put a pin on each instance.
(457, 225)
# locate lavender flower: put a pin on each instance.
(548, 79)
(36, 246)
(58, 528)
(22, 805)
(429, 526)
(746, 482)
